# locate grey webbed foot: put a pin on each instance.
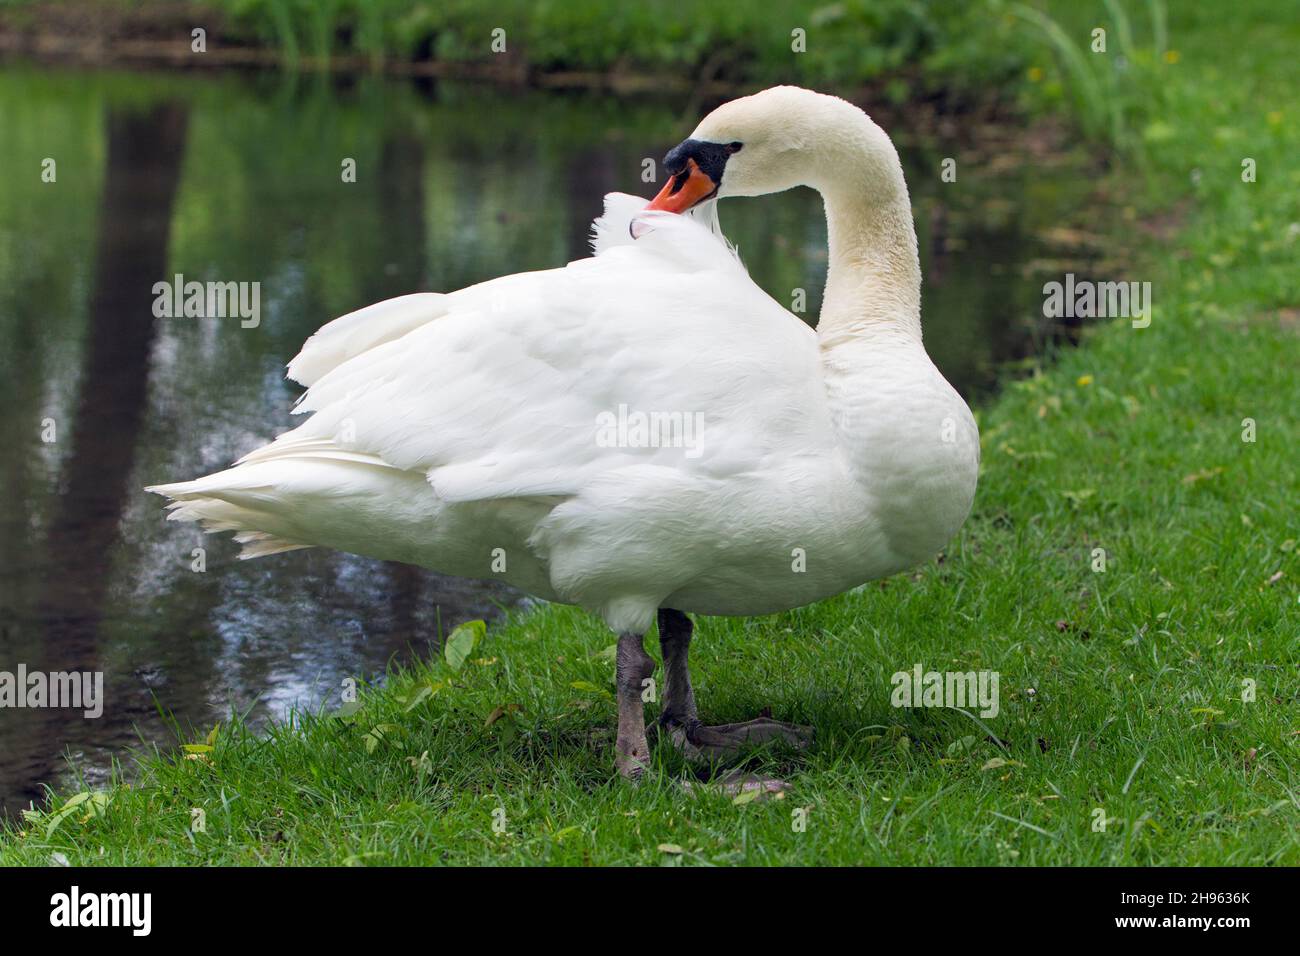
(695, 740)
(702, 743)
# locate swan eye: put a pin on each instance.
(734, 147)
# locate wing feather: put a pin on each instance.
(505, 389)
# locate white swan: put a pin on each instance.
(493, 432)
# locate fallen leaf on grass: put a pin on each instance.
(421, 764)
(502, 711)
(587, 687)
(379, 734)
(1210, 718)
(1201, 475)
(421, 694)
(461, 641)
(994, 762)
(94, 802)
(962, 745)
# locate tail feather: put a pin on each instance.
(262, 497)
(229, 501)
(291, 446)
(304, 495)
(223, 510)
(350, 335)
(258, 544)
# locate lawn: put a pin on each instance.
(1130, 571)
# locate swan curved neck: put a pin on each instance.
(873, 278)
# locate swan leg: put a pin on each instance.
(633, 665)
(675, 630)
(696, 741)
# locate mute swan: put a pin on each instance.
(644, 432)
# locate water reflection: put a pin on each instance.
(239, 178)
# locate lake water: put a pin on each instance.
(238, 177)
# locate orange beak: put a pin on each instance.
(684, 190)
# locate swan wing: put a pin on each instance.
(357, 332)
(532, 384)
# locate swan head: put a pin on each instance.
(776, 140)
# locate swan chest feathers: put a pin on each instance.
(888, 489)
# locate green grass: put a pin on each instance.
(1107, 98)
(1121, 690)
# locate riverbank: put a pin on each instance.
(703, 49)
(1130, 572)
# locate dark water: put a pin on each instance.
(238, 178)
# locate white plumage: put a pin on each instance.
(454, 430)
